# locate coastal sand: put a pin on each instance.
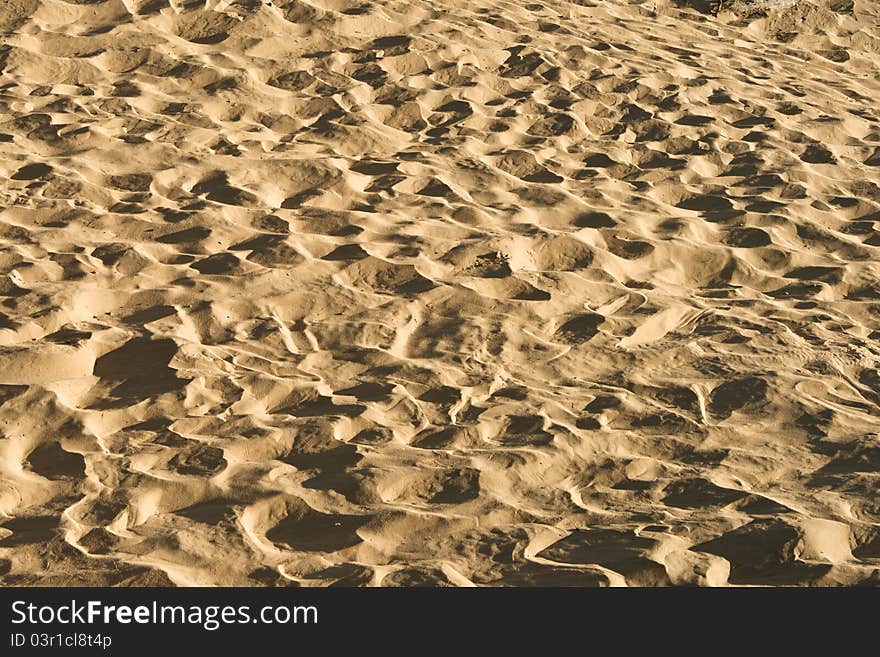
(439, 292)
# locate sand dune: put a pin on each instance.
(435, 292)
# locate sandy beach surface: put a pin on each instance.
(439, 292)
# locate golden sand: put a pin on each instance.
(439, 292)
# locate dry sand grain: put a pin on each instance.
(439, 292)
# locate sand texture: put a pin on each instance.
(439, 292)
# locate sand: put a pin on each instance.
(439, 293)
